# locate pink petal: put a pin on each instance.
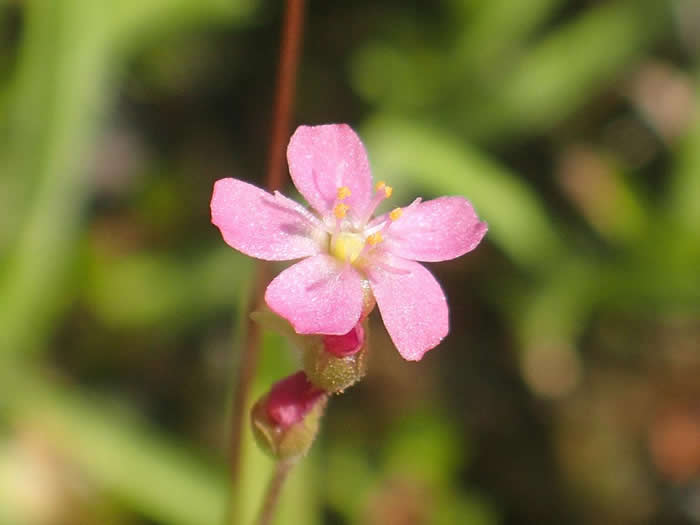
(319, 295)
(324, 158)
(262, 225)
(436, 230)
(412, 304)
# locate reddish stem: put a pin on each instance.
(286, 84)
(286, 80)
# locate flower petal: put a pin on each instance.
(436, 230)
(319, 295)
(262, 225)
(412, 304)
(324, 158)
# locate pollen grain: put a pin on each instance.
(375, 238)
(387, 190)
(341, 210)
(343, 193)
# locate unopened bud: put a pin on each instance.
(336, 362)
(332, 362)
(286, 420)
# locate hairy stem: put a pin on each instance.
(273, 491)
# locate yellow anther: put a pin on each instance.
(343, 193)
(395, 214)
(375, 238)
(340, 210)
(381, 186)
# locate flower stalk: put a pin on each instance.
(285, 423)
(273, 491)
(292, 34)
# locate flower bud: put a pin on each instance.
(285, 421)
(331, 362)
(335, 362)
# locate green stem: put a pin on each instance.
(273, 492)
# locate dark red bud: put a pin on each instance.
(286, 419)
(290, 399)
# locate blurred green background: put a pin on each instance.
(567, 391)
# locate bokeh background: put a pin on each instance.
(567, 391)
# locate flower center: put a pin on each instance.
(347, 246)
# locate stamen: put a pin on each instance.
(375, 238)
(383, 188)
(340, 210)
(395, 214)
(415, 203)
(343, 193)
(383, 192)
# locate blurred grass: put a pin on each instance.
(59, 95)
(60, 90)
(441, 164)
(147, 289)
(147, 470)
(135, 23)
(566, 68)
(684, 197)
(497, 33)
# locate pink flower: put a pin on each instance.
(348, 251)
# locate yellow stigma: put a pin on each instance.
(341, 210)
(381, 186)
(395, 214)
(343, 193)
(347, 246)
(375, 238)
